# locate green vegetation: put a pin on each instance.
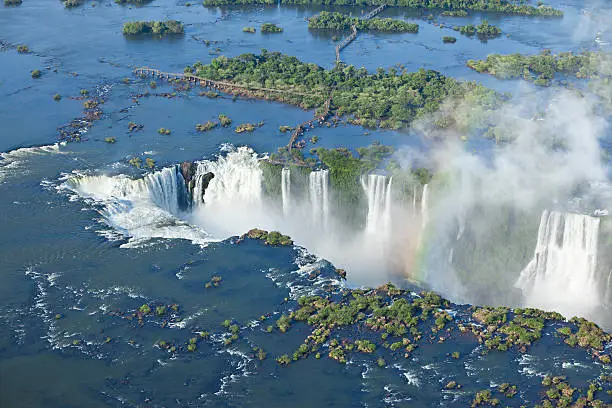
(205, 127)
(499, 6)
(135, 161)
(386, 99)
(135, 2)
(285, 129)
(247, 127)
(454, 13)
(449, 40)
(338, 21)
(144, 309)
(210, 3)
(273, 238)
(267, 28)
(225, 121)
(57, 97)
(72, 3)
(250, 30)
(23, 49)
(36, 73)
(164, 131)
(155, 28)
(90, 104)
(110, 140)
(84, 92)
(12, 2)
(132, 126)
(484, 31)
(542, 68)
(149, 163)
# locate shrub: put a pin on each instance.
(449, 40)
(36, 73)
(267, 28)
(248, 30)
(57, 97)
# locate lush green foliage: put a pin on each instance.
(339, 21)
(158, 28)
(500, 6)
(23, 49)
(12, 2)
(388, 99)
(454, 13)
(236, 2)
(484, 31)
(135, 2)
(270, 28)
(449, 40)
(36, 73)
(541, 68)
(250, 30)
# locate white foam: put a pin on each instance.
(17, 161)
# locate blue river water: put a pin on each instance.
(69, 277)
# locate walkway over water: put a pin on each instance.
(210, 83)
(347, 40)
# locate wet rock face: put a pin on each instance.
(188, 170)
(205, 180)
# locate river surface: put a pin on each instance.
(68, 262)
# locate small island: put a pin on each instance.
(153, 28)
(338, 21)
(500, 6)
(268, 28)
(541, 68)
(484, 31)
(12, 2)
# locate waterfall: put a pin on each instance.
(562, 273)
(143, 208)
(424, 206)
(378, 192)
(286, 190)
(237, 179)
(319, 199)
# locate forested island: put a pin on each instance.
(154, 28)
(483, 31)
(388, 99)
(338, 21)
(499, 6)
(541, 68)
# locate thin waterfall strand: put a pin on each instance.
(286, 190)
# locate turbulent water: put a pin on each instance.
(563, 272)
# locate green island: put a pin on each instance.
(134, 2)
(484, 30)
(153, 28)
(454, 13)
(250, 30)
(387, 99)
(541, 68)
(499, 6)
(269, 28)
(449, 40)
(338, 21)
